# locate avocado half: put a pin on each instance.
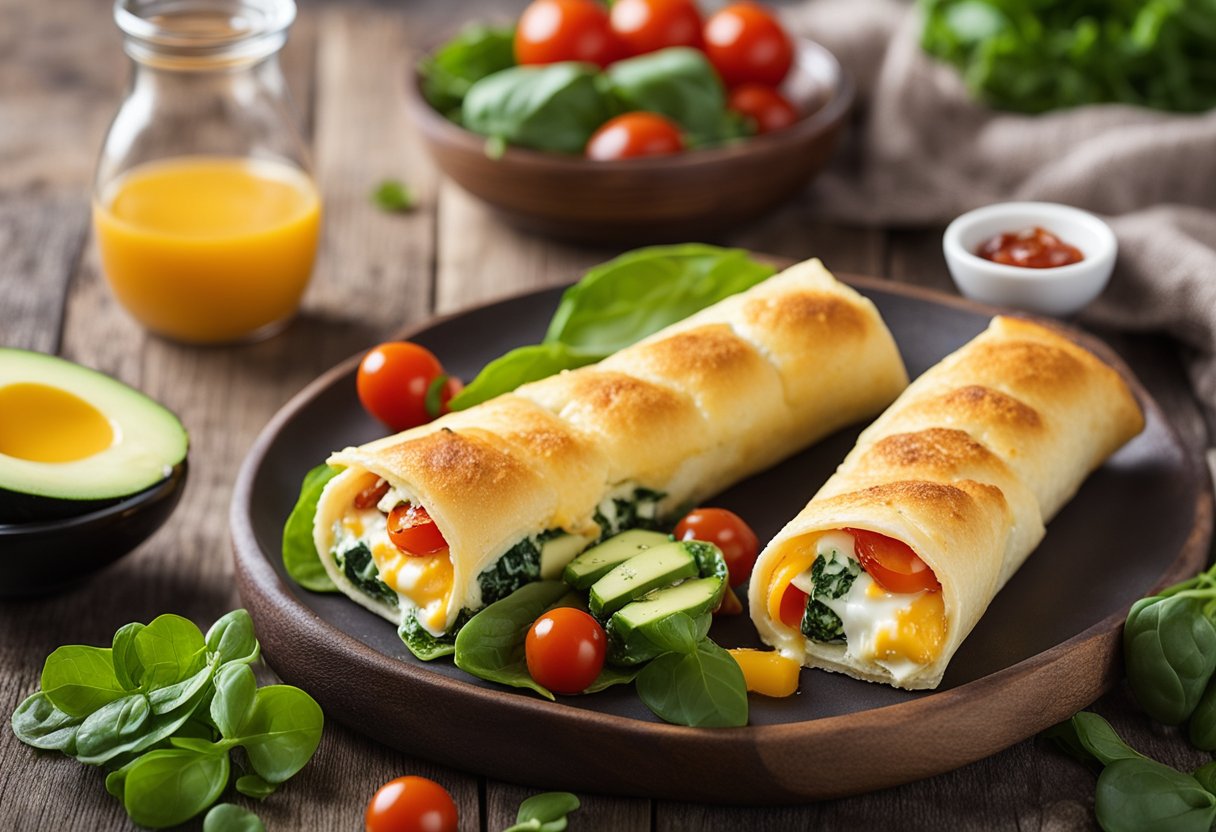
(74, 441)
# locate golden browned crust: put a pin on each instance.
(806, 314)
(948, 504)
(991, 406)
(454, 463)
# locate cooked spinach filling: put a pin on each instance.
(426, 646)
(357, 564)
(519, 565)
(831, 578)
(640, 510)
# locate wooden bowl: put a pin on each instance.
(669, 198)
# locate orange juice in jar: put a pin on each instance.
(206, 218)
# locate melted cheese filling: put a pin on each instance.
(423, 584)
(901, 632)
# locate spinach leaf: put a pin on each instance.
(357, 564)
(394, 197)
(616, 304)
(1138, 794)
(473, 54)
(128, 668)
(164, 700)
(281, 732)
(1169, 648)
(678, 82)
(231, 638)
(106, 742)
(235, 690)
(39, 723)
(170, 649)
(1201, 727)
(79, 679)
(642, 291)
(833, 578)
(551, 107)
(228, 817)
(518, 367)
(545, 812)
(711, 563)
(1099, 739)
(704, 688)
(170, 786)
(1205, 776)
(299, 551)
(251, 785)
(678, 632)
(491, 645)
(610, 676)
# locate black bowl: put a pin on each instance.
(40, 558)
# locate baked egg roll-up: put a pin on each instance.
(894, 560)
(428, 526)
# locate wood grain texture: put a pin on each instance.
(61, 75)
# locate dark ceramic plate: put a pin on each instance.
(1045, 649)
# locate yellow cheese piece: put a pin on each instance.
(791, 567)
(767, 672)
(919, 632)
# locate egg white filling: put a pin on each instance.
(868, 612)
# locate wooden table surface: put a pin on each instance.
(61, 78)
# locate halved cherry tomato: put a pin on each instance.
(411, 804)
(746, 44)
(632, 135)
(566, 30)
(647, 25)
(728, 532)
(413, 531)
(393, 381)
(793, 606)
(892, 563)
(368, 497)
(565, 650)
(768, 109)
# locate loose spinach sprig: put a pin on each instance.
(544, 812)
(163, 707)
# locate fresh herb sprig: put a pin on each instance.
(161, 709)
(694, 681)
(545, 812)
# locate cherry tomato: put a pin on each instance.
(793, 606)
(413, 531)
(768, 109)
(411, 804)
(632, 135)
(393, 381)
(368, 497)
(565, 650)
(746, 44)
(728, 532)
(647, 25)
(566, 30)
(892, 564)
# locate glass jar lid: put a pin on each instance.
(191, 34)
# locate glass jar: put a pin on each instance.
(206, 217)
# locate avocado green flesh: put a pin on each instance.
(655, 567)
(148, 444)
(692, 597)
(598, 561)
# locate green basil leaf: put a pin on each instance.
(545, 812)
(201, 745)
(281, 732)
(678, 82)
(473, 54)
(1205, 776)
(300, 557)
(173, 697)
(491, 645)
(551, 107)
(1137, 794)
(251, 785)
(518, 367)
(704, 688)
(170, 786)
(128, 669)
(1169, 648)
(39, 723)
(677, 633)
(116, 780)
(231, 638)
(227, 817)
(235, 691)
(610, 676)
(170, 649)
(79, 679)
(640, 292)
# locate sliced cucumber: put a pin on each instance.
(659, 566)
(557, 552)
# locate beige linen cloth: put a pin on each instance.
(925, 152)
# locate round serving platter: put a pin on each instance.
(1046, 647)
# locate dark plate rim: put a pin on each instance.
(255, 571)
